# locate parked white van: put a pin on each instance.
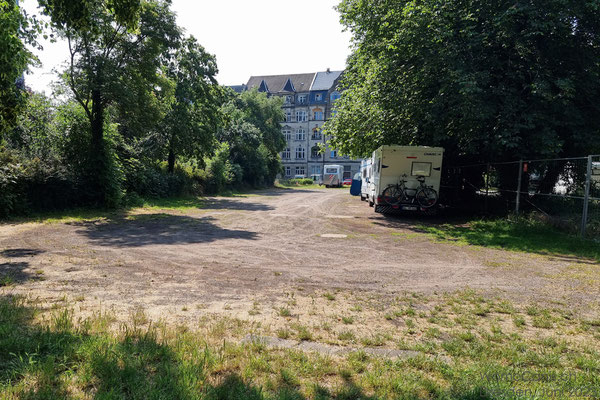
(365, 176)
(333, 175)
(413, 174)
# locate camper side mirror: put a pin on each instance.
(384, 166)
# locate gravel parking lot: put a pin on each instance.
(236, 254)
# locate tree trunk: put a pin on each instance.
(97, 120)
(171, 161)
(98, 165)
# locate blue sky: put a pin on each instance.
(258, 37)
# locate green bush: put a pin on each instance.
(222, 173)
(297, 182)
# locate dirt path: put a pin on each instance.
(235, 252)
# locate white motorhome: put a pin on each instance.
(391, 164)
(365, 176)
(333, 175)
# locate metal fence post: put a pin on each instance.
(487, 186)
(517, 206)
(586, 196)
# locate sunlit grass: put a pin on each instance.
(520, 235)
(56, 354)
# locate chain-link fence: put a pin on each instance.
(564, 191)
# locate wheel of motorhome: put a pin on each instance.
(392, 195)
(426, 197)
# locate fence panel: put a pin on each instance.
(553, 190)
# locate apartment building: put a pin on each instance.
(308, 101)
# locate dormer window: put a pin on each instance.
(318, 97)
(301, 99)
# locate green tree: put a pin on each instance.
(16, 31)
(193, 114)
(116, 50)
(253, 132)
(33, 134)
(486, 80)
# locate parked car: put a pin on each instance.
(333, 175)
(347, 182)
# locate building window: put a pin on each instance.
(300, 171)
(301, 99)
(300, 134)
(333, 154)
(301, 116)
(285, 154)
(315, 170)
(300, 153)
(314, 152)
(288, 116)
(318, 97)
(288, 171)
(335, 96)
(316, 135)
(288, 99)
(287, 133)
(318, 115)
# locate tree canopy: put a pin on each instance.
(253, 133)
(485, 80)
(16, 31)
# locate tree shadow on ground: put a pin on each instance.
(220, 203)
(158, 229)
(14, 272)
(19, 253)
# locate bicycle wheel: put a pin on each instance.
(427, 197)
(392, 195)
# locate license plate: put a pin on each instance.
(409, 208)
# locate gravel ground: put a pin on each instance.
(235, 253)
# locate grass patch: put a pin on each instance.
(285, 312)
(58, 355)
(520, 235)
(329, 296)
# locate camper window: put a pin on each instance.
(331, 171)
(421, 169)
(596, 168)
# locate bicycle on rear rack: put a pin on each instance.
(423, 195)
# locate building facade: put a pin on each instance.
(308, 101)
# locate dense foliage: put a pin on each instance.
(16, 31)
(253, 132)
(139, 114)
(486, 80)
